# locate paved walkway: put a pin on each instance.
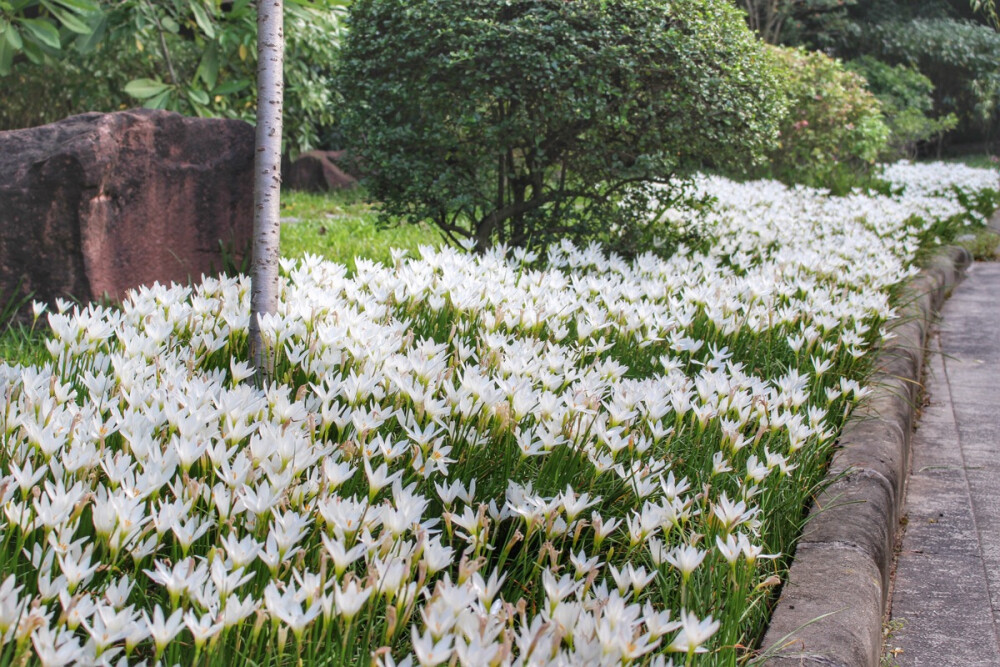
(946, 600)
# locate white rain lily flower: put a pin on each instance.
(430, 652)
(164, 629)
(731, 514)
(694, 633)
(56, 648)
(202, 627)
(379, 478)
(11, 605)
(350, 598)
(342, 558)
(236, 611)
(685, 559)
(286, 607)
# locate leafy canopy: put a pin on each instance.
(33, 29)
(197, 57)
(521, 121)
(907, 99)
(960, 57)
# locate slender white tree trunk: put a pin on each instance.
(267, 176)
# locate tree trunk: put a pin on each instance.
(267, 177)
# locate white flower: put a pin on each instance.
(693, 634)
(202, 627)
(10, 604)
(428, 652)
(685, 558)
(350, 598)
(286, 607)
(163, 629)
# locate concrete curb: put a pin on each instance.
(830, 610)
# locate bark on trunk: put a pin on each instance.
(267, 175)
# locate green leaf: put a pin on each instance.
(208, 68)
(71, 21)
(33, 51)
(146, 88)
(12, 37)
(201, 111)
(230, 87)
(320, 4)
(79, 6)
(158, 101)
(6, 57)
(98, 28)
(202, 19)
(42, 31)
(170, 25)
(197, 96)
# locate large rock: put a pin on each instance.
(99, 203)
(318, 171)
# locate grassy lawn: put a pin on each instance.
(341, 226)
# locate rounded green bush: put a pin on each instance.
(833, 132)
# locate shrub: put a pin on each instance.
(907, 99)
(833, 132)
(526, 120)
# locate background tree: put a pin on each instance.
(35, 30)
(267, 175)
(523, 121)
(907, 99)
(944, 40)
(834, 131)
(196, 57)
(781, 21)
(959, 56)
(987, 8)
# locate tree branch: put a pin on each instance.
(163, 44)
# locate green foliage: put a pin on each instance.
(840, 31)
(988, 8)
(523, 121)
(982, 244)
(960, 57)
(833, 133)
(907, 99)
(197, 57)
(782, 21)
(35, 30)
(947, 40)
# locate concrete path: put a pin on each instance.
(946, 600)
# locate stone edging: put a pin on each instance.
(830, 610)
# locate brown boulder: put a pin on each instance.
(98, 203)
(318, 171)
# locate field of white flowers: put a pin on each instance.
(567, 460)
